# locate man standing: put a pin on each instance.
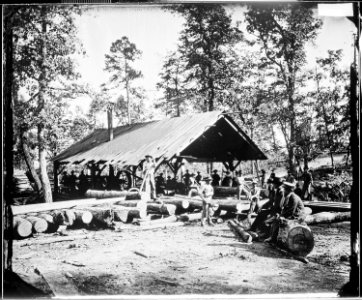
(215, 179)
(149, 167)
(206, 192)
(307, 184)
(254, 197)
(198, 177)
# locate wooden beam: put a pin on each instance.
(55, 175)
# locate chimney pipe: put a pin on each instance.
(110, 123)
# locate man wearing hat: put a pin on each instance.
(293, 208)
(149, 167)
(254, 196)
(206, 192)
(270, 209)
(227, 180)
(215, 179)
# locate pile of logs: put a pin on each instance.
(107, 208)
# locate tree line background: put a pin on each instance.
(257, 71)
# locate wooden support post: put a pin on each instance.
(55, 180)
(93, 175)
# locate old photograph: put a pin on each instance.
(181, 149)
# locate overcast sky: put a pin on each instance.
(155, 32)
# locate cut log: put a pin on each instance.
(181, 204)
(38, 225)
(296, 237)
(22, 227)
(327, 217)
(99, 194)
(127, 214)
(246, 237)
(102, 216)
(69, 217)
(52, 226)
(164, 209)
(190, 217)
(82, 217)
(230, 205)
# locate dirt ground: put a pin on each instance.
(183, 260)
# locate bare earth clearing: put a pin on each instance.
(182, 260)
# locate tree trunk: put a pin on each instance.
(30, 163)
(8, 144)
(42, 89)
(354, 195)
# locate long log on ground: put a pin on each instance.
(240, 232)
(102, 216)
(296, 237)
(39, 225)
(161, 226)
(99, 194)
(127, 214)
(190, 217)
(196, 204)
(327, 217)
(41, 207)
(165, 209)
(52, 225)
(22, 228)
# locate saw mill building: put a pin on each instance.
(204, 137)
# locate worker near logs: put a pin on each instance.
(215, 179)
(262, 178)
(206, 192)
(290, 178)
(160, 184)
(193, 187)
(198, 177)
(149, 167)
(307, 184)
(254, 197)
(293, 208)
(271, 209)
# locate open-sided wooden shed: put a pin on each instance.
(204, 137)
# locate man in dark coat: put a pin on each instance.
(293, 208)
(215, 179)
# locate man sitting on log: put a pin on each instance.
(206, 192)
(293, 208)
